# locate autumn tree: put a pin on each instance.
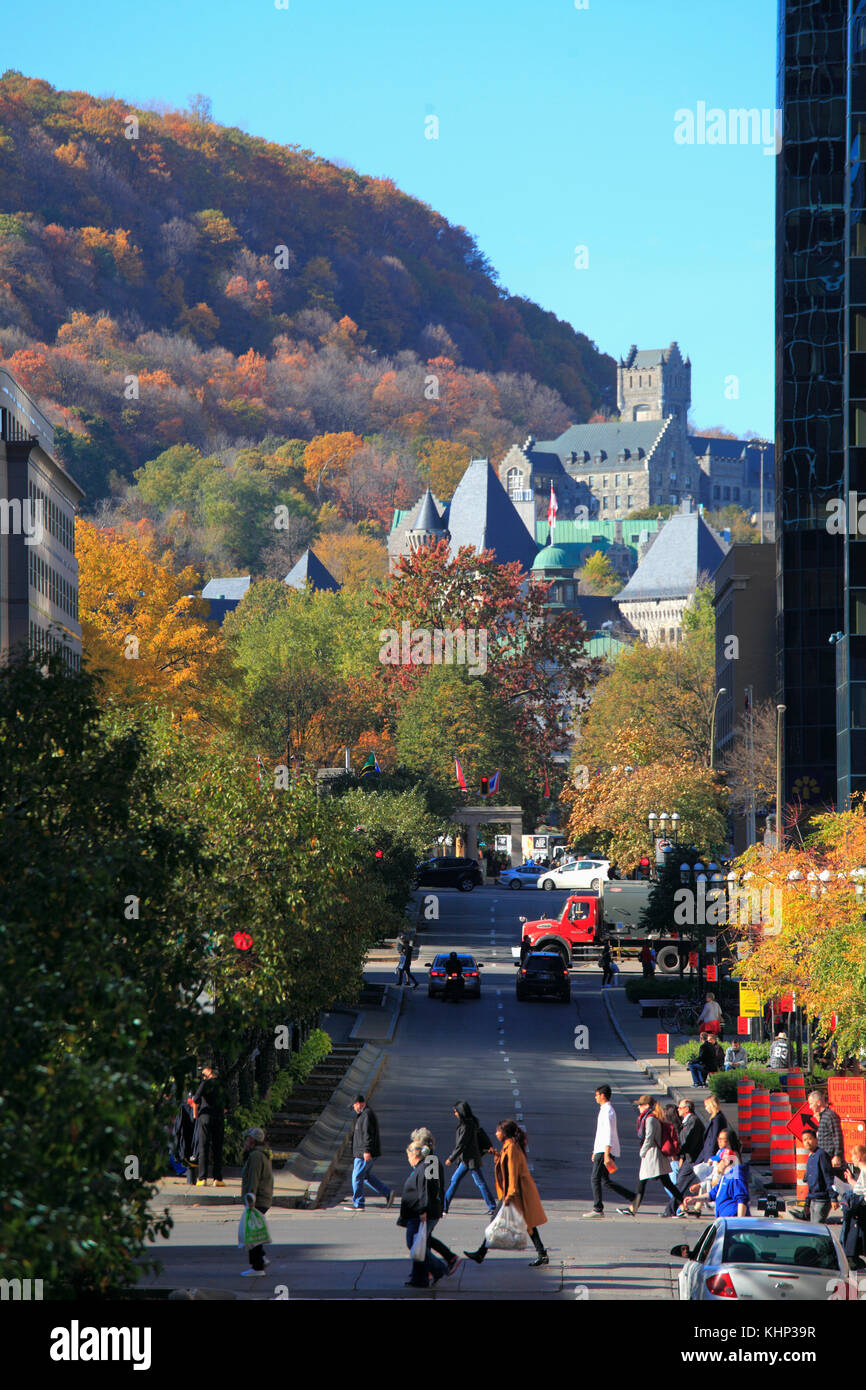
(599, 575)
(329, 453)
(750, 764)
(144, 629)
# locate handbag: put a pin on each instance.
(418, 1252)
(252, 1227)
(507, 1230)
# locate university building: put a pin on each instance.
(38, 501)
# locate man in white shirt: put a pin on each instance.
(605, 1150)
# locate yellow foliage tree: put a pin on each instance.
(352, 559)
(329, 453)
(143, 628)
(443, 462)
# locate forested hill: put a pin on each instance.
(175, 232)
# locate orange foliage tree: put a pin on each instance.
(329, 453)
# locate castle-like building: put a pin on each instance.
(647, 458)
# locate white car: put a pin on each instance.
(578, 873)
(766, 1260)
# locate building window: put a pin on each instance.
(569, 592)
(661, 634)
(605, 502)
(514, 480)
(673, 499)
(630, 503)
(618, 502)
(616, 480)
(604, 481)
(672, 633)
(726, 494)
(591, 480)
(628, 481)
(716, 491)
(736, 494)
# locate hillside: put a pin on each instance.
(194, 284)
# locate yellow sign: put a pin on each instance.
(750, 1003)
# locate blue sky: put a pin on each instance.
(556, 131)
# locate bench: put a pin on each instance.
(649, 1008)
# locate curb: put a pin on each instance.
(653, 1076)
(393, 1000)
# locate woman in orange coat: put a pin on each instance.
(514, 1184)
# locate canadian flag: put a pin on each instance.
(461, 780)
(552, 509)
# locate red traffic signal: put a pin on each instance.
(242, 940)
(379, 854)
(485, 786)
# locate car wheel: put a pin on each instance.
(465, 885)
(515, 883)
(548, 884)
(595, 884)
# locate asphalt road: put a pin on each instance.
(507, 1059)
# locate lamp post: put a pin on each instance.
(780, 711)
(762, 445)
(721, 691)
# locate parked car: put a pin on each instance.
(449, 872)
(579, 873)
(437, 977)
(765, 1259)
(523, 876)
(543, 972)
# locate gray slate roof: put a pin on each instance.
(736, 449)
(482, 515)
(428, 518)
(604, 437)
(309, 569)
(232, 588)
(649, 357)
(684, 548)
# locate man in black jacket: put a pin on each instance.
(366, 1148)
(691, 1142)
(210, 1099)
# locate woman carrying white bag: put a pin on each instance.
(257, 1194)
(521, 1212)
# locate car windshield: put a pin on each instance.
(464, 960)
(777, 1246)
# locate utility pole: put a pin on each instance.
(780, 712)
(751, 830)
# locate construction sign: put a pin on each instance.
(801, 1120)
(750, 1003)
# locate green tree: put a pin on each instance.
(175, 478)
(600, 575)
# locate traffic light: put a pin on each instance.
(379, 854)
(644, 867)
(485, 786)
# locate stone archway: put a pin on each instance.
(473, 816)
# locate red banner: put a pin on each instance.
(693, 960)
(743, 1026)
(663, 1043)
(711, 973)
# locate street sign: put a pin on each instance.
(847, 1095)
(663, 1044)
(710, 945)
(711, 973)
(693, 960)
(743, 1026)
(663, 848)
(503, 843)
(801, 1120)
(539, 842)
(750, 1003)
(853, 1132)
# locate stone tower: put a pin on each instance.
(653, 384)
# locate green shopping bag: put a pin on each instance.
(252, 1229)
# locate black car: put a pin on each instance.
(543, 972)
(437, 977)
(449, 872)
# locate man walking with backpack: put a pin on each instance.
(605, 1150)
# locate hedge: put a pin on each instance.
(723, 1084)
(688, 1052)
(260, 1113)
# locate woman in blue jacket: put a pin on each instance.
(731, 1192)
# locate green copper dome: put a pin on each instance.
(552, 557)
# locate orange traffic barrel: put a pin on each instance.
(796, 1087)
(760, 1125)
(744, 1112)
(801, 1159)
(782, 1158)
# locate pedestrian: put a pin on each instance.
(674, 1123)
(829, 1137)
(819, 1182)
(710, 1017)
(736, 1056)
(779, 1058)
(605, 1151)
(420, 1207)
(366, 1148)
(731, 1192)
(471, 1143)
(646, 961)
(606, 962)
(691, 1143)
(257, 1181)
(854, 1207)
(404, 963)
(706, 1062)
(653, 1163)
(434, 1172)
(514, 1186)
(718, 1053)
(525, 948)
(210, 1101)
(713, 1127)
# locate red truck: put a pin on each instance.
(614, 914)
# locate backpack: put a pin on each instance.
(484, 1142)
(670, 1144)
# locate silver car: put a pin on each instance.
(766, 1260)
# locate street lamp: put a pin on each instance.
(762, 445)
(721, 691)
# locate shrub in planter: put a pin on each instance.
(688, 1052)
(723, 1084)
